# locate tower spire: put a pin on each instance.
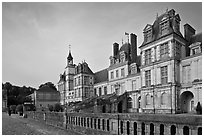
(70, 58)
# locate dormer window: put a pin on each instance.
(133, 68)
(148, 33)
(122, 56)
(195, 48)
(164, 26)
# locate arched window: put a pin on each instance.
(103, 124)
(87, 122)
(143, 128)
(99, 124)
(121, 127)
(128, 127)
(129, 105)
(151, 129)
(108, 128)
(164, 98)
(161, 129)
(185, 130)
(173, 130)
(200, 131)
(148, 99)
(135, 128)
(91, 122)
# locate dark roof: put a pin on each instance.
(196, 38)
(156, 29)
(70, 56)
(101, 76)
(83, 68)
(62, 78)
(46, 89)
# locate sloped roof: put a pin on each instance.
(156, 29)
(196, 38)
(101, 76)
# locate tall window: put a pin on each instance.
(116, 73)
(105, 90)
(148, 78)
(100, 91)
(164, 50)
(148, 56)
(148, 35)
(86, 80)
(177, 49)
(129, 105)
(148, 99)
(95, 92)
(112, 75)
(122, 72)
(164, 98)
(86, 92)
(186, 74)
(164, 75)
(134, 85)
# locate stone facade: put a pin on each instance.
(164, 78)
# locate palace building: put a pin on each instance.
(165, 78)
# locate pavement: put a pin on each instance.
(17, 125)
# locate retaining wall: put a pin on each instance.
(123, 123)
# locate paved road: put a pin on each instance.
(15, 125)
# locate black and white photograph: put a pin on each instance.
(101, 68)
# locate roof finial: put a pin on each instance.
(69, 48)
(157, 16)
(167, 10)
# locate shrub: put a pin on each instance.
(199, 108)
(51, 108)
(13, 109)
(19, 108)
(57, 107)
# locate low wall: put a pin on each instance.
(123, 123)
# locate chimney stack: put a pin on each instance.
(115, 49)
(188, 33)
(133, 42)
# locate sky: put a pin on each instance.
(36, 36)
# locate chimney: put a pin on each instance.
(115, 49)
(133, 42)
(188, 33)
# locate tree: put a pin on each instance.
(57, 107)
(13, 108)
(51, 108)
(19, 108)
(50, 84)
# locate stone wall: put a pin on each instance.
(125, 123)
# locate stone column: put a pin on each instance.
(65, 120)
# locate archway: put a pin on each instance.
(161, 129)
(173, 130)
(128, 128)
(185, 130)
(120, 107)
(200, 131)
(151, 129)
(187, 102)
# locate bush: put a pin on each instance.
(51, 108)
(199, 108)
(13, 109)
(19, 108)
(57, 107)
